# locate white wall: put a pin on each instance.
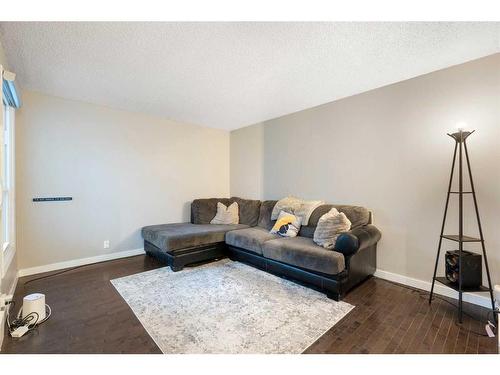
(124, 170)
(386, 149)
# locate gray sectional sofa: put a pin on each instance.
(299, 258)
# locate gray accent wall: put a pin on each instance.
(124, 170)
(387, 149)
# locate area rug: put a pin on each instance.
(228, 307)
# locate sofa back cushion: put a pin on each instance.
(266, 209)
(357, 215)
(249, 210)
(255, 212)
(204, 210)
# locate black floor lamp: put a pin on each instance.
(460, 138)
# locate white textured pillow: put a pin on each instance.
(299, 207)
(329, 227)
(305, 210)
(226, 215)
(289, 204)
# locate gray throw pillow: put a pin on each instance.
(329, 227)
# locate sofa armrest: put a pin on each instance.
(356, 239)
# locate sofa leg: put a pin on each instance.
(333, 295)
(176, 268)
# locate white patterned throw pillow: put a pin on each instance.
(299, 207)
(289, 204)
(226, 215)
(329, 227)
(305, 210)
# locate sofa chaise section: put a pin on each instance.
(181, 244)
(184, 243)
(175, 238)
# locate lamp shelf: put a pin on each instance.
(449, 284)
(456, 238)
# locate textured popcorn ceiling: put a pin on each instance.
(229, 75)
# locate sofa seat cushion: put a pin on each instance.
(173, 238)
(304, 253)
(250, 239)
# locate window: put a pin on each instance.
(10, 100)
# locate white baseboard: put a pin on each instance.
(79, 262)
(476, 299)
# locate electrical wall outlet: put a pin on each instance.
(5, 299)
(106, 244)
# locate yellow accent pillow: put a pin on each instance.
(287, 225)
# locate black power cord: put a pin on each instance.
(464, 312)
(60, 272)
(57, 273)
(31, 320)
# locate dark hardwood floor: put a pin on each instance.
(89, 316)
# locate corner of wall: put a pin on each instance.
(247, 162)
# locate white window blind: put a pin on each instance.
(11, 93)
